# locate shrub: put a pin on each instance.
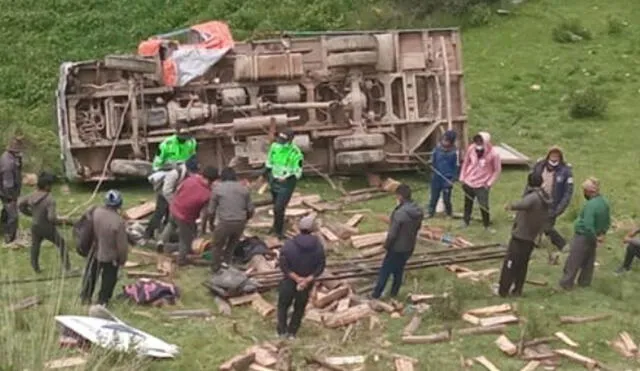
(615, 26)
(479, 15)
(570, 31)
(587, 103)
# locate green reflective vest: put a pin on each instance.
(285, 160)
(171, 151)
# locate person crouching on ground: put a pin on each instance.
(229, 209)
(445, 173)
(589, 230)
(480, 170)
(302, 261)
(188, 202)
(633, 250)
(111, 249)
(406, 221)
(531, 218)
(41, 207)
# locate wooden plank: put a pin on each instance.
(427, 339)
(628, 342)
(140, 211)
(506, 346)
(343, 304)
(263, 357)
(257, 367)
(482, 273)
(242, 300)
(562, 336)
(262, 306)
(342, 230)
(497, 329)
(190, 313)
(293, 213)
(223, 306)
(68, 362)
(133, 274)
(332, 296)
(373, 251)
(424, 298)
(577, 320)
(412, 326)
(491, 310)
(355, 220)
(531, 366)
(328, 234)
(454, 268)
(471, 319)
(486, 363)
(498, 320)
(349, 316)
(402, 364)
(585, 361)
(381, 306)
(368, 240)
(347, 360)
(619, 347)
(239, 362)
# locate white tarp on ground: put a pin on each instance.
(192, 63)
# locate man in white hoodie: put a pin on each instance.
(481, 168)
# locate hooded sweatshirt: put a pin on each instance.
(532, 214)
(191, 197)
(445, 161)
(302, 255)
(561, 178)
(481, 172)
(406, 220)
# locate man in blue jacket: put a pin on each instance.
(444, 162)
(557, 181)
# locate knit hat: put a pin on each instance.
(592, 184)
(307, 223)
(113, 198)
(450, 135)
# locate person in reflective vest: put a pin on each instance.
(283, 169)
(176, 149)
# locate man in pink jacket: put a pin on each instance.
(481, 168)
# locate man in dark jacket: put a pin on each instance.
(633, 250)
(444, 163)
(557, 181)
(229, 209)
(406, 221)
(531, 217)
(302, 260)
(10, 187)
(41, 207)
(110, 250)
(589, 230)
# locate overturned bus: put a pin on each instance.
(356, 100)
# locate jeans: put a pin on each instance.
(160, 215)
(438, 187)
(515, 266)
(49, 233)
(109, 278)
(470, 194)
(287, 295)
(393, 264)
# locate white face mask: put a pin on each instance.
(554, 163)
(479, 147)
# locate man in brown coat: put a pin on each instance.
(109, 252)
(10, 187)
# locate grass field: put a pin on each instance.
(502, 61)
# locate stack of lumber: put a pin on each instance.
(470, 274)
(264, 357)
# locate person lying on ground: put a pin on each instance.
(41, 207)
(589, 230)
(531, 218)
(302, 261)
(557, 181)
(406, 221)
(445, 172)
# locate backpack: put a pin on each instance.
(83, 233)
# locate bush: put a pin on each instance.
(479, 15)
(570, 31)
(587, 103)
(615, 26)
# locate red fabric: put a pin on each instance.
(191, 196)
(216, 35)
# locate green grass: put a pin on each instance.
(502, 61)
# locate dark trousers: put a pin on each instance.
(438, 187)
(633, 250)
(580, 262)
(470, 194)
(49, 233)
(281, 194)
(556, 238)
(225, 238)
(159, 217)
(109, 277)
(288, 295)
(187, 232)
(393, 264)
(514, 267)
(9, 219)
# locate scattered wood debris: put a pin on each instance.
(349, 316)
(134, 274)
(65, 363)
(403, 364)
(293, 213)
(536, 282)
(486, 363)
(223, 306)
(239, 362)
(585, 361)
(242, 300)
(329, 235)
(624, 345)
(262, 306)
(322, 301)
(347, 360)
(471, 319)
(412, 326)
(190, 313)
(425, 298)
(478, 275)
(498, 320)
(355, 220)
(140, 211)
(531, 366)
(449, 335)
(565, 339)
(506, 346)
(491, 310)
(368, 240)
(628, 342)
(577, 320)
(373, 251)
